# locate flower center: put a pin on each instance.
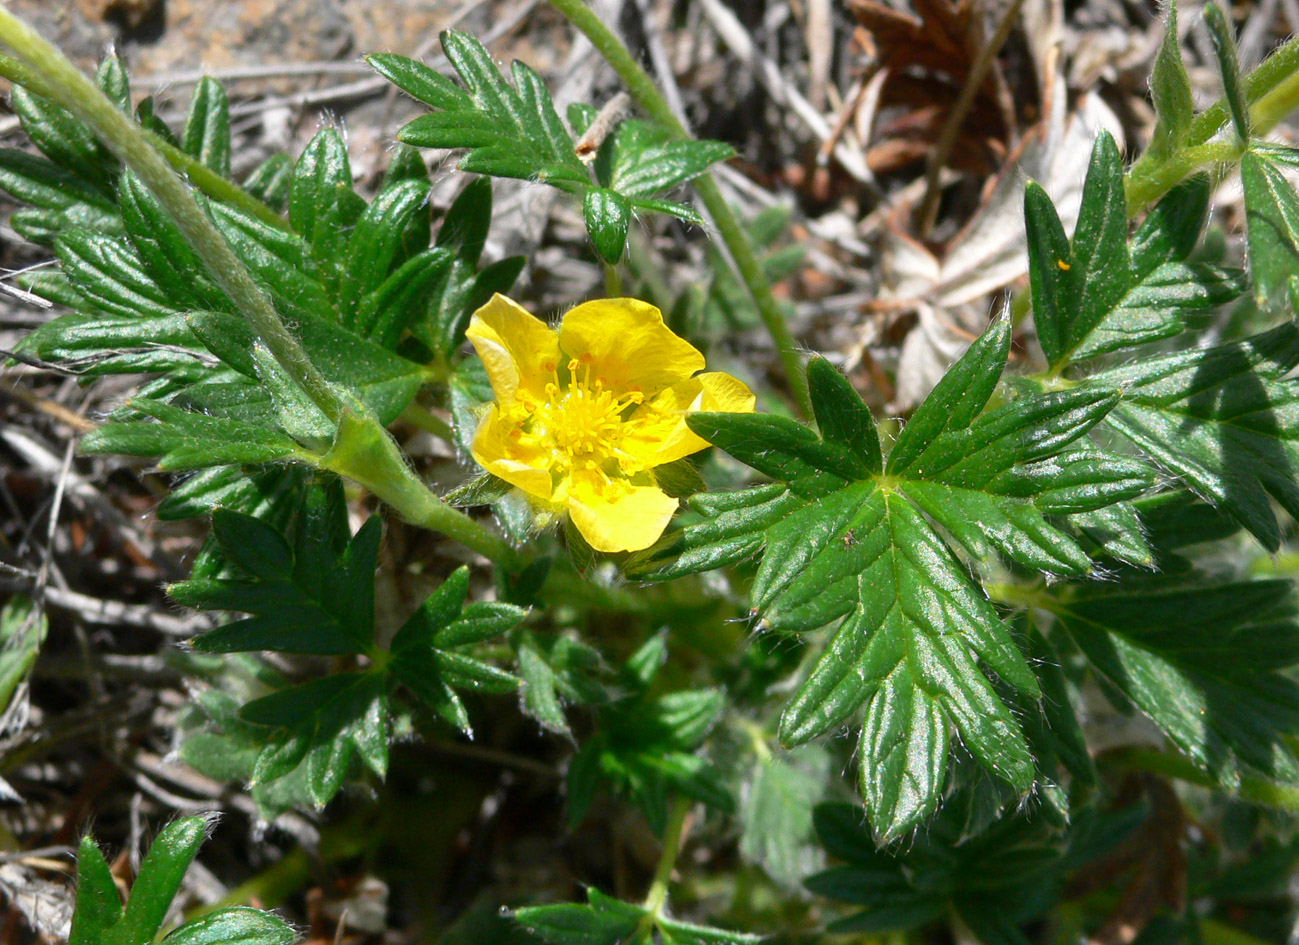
(583, 419)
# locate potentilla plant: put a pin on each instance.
(964, 592)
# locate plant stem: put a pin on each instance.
(1255, 788)
(647, 94)
(197, 173)
(658, 891)
(366, 453)
(421, 418)
(1272, 92)
(1146, 183)
(62, 82)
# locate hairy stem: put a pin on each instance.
(648, 96)
(1272, 92)
(672, 836)
(196, 172)
(64, 84)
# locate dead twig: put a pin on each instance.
(927, 215)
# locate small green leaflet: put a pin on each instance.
(100, 919)
(311, 590)
(1207, 662)
(846, 535)
(23, 626)
(776, 813)
(515, 131)
(1170, 88)
(1271, 222)
(1100, 293)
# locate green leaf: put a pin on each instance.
(608, 217)
(323, 208)
(640, 159)
(298, 415)
(430, 653)
(1206, 662)
(313, 595)
(1011, 870)
(385, 382)
(510, 131)
(684, 933)
(271, 181)
(323, 725)
(776, 813)
(919, 637)
(604, 921)
(65, 140)
(1170, 88)
(1224, 46)
(112, 80)
(1103, 294)
(207, 127)
(377, 242)
(39, 182)
(98, 904)
(842, 416)
(186, 440)
(1272, 222)
(238, 925)
(161, 872)
(1222, 420)
(554, 671)
(23, 627)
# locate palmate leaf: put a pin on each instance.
(848, 535)
(645, 745)
(513, 130)
(1205, 661)
(510, 131)
(1101, 293)
(995, 881)
(309, 588)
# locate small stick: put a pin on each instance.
(589, 144)
(928, 212)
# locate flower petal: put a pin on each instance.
(628, 345)
(622, 518)
(657, 431)
(518, 349)
(503, 453)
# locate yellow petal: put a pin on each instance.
(657, 431)
(627, 345)
(499, 450)
(624, 518)
(518, 349)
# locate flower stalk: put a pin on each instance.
(65, 84)
(736, 241)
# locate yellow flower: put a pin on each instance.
(584, 414)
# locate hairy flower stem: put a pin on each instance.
(647, 94)
(67, 86)
(196, 172)
(1272, 92)
(672, 837)
(363, 451)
